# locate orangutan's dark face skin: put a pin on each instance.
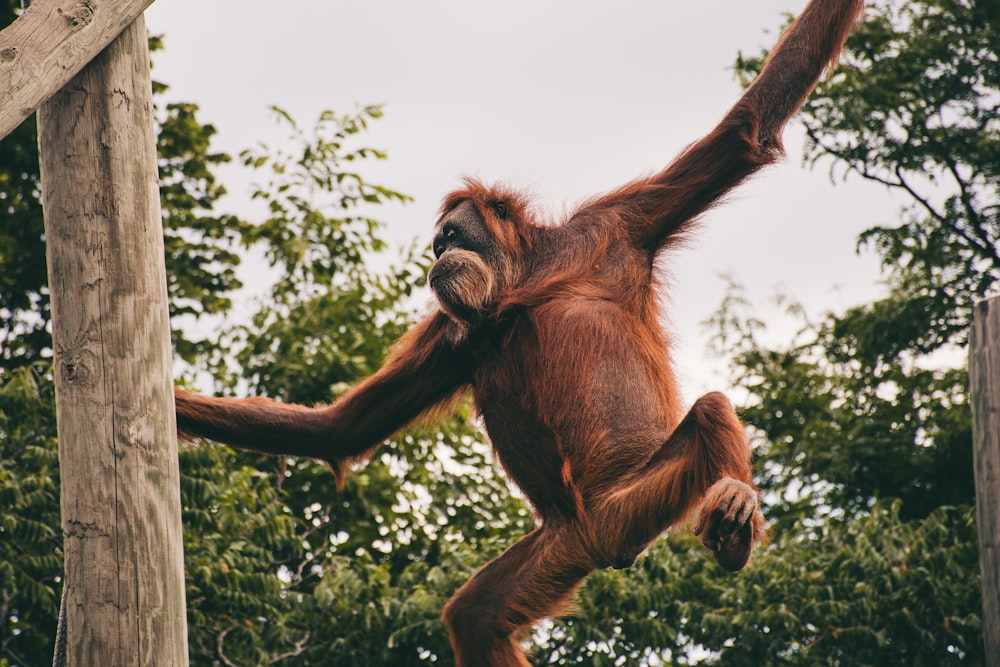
(464, 277)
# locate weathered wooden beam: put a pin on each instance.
(121, 514)
(984, 397)
(49, 44)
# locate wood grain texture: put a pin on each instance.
(984, 381)
(49, 44)
(117, 443)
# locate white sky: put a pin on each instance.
(563, 98)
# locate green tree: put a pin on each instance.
(201, 245)
(30, 530)
(23, 301)
(863, 404)
(874, 590)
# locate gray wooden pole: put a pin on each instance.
(984, 396)
(124, 584)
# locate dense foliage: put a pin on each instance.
(862, 425)
(868, 408)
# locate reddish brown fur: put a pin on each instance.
(555, 328)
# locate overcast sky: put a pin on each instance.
(562, 98)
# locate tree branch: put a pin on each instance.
(986, 245)
(300, 647)
(219, 639)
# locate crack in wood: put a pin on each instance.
(81, 530)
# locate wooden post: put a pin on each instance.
(49, 44)
(124, 585)
(984, 396)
